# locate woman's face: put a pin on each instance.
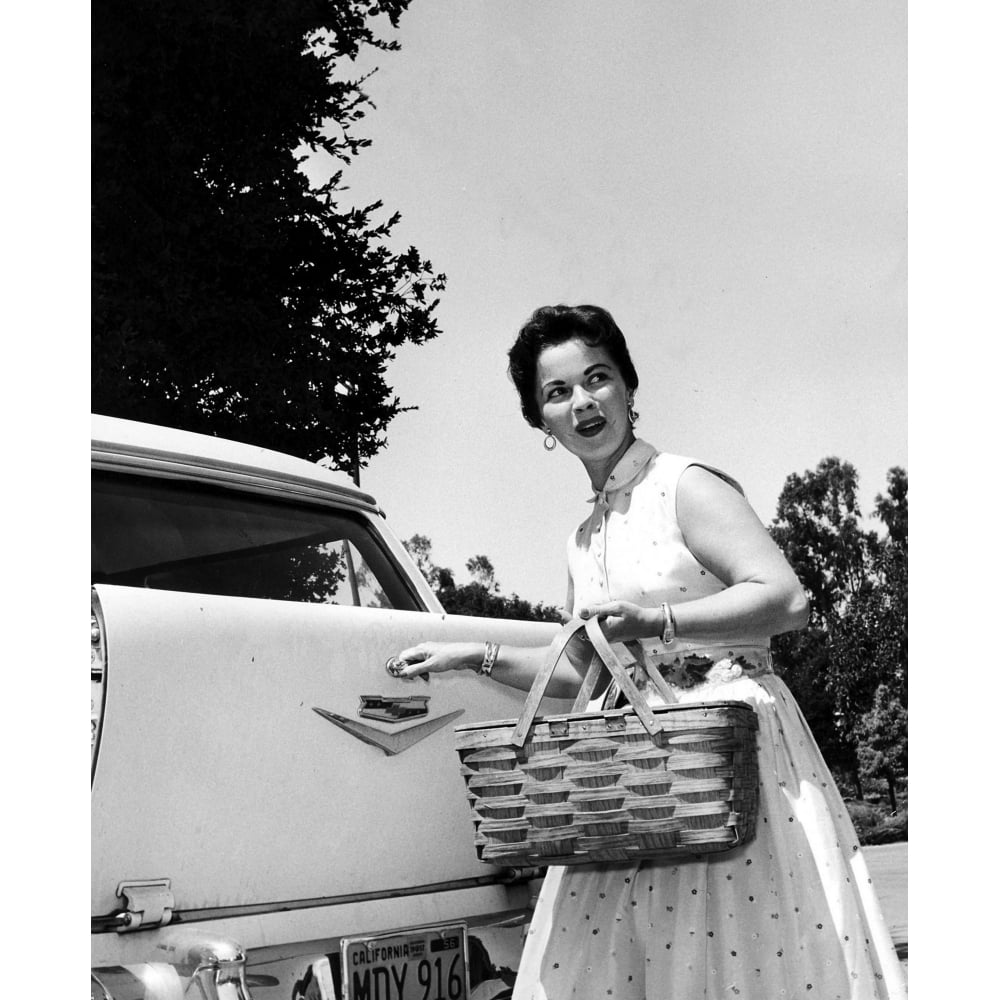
(584, 402)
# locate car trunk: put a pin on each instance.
(215, 771)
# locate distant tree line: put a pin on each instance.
(481, 597)
(848, 667)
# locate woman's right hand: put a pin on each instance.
(439, 657)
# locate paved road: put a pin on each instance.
(887, 864)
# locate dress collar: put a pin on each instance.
(627, 470)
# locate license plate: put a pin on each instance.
(426, 963)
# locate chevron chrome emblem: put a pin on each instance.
(389, 743)
(393, 710)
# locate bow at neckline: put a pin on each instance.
(626, 471)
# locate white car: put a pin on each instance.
(274, 813)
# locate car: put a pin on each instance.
(274, 813)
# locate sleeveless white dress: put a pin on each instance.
(793, 913)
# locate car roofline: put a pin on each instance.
(165, 451)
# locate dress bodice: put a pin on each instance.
(631, 547)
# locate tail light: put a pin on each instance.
(97, 664)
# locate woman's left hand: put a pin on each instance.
(622, 620)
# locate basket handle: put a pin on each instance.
(542, 678)
(655, 677)
(603, 654)
(637, 700)
(586, 691)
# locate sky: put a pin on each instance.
(727, 179)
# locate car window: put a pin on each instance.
(168, 534)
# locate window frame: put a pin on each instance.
(357, 512)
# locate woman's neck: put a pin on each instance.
(599, 471)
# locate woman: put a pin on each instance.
(672, 555)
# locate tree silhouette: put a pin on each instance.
(230, 297)
(855, 641)
(882, 740)
(481, 598)
(818, 526)
(867, 674)
(482, 572)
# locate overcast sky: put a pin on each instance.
(728, 179)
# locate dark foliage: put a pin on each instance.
(475, 599)
(802, 659)
(228, 296)
(877, 823)
(481, 598)
(818, 527)
(848, 669)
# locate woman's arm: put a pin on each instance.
(515, 666)
(762, 596)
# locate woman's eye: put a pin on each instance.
(557, 391)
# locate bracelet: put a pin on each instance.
(669, 625)
(489, 658)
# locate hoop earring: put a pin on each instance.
(550, 442)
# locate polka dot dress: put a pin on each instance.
(790, 916)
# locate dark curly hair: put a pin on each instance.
(552, 325)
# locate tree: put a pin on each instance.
(818, 527)
(482, 572)
(803, 660)
(869, 638)
(855, 642)
(891, 508)
(229, 296)
(882, 740)
(419, 548)
(481, 602)
(893, 568)
(480, 598)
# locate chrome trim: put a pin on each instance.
(105, 995)
(389, 743)
(217, 963)
(501, 877)
(148, 903)
(386, 708)
(98, 675)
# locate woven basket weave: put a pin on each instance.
(615, 785)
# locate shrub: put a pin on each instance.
(892, 830)
(875, 824)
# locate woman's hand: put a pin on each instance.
(438, 657)
(621, 620)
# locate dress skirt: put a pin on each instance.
(791, 915)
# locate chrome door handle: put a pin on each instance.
(393, 666)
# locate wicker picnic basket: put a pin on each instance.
(614, 785)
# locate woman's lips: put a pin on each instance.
(591, 429)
